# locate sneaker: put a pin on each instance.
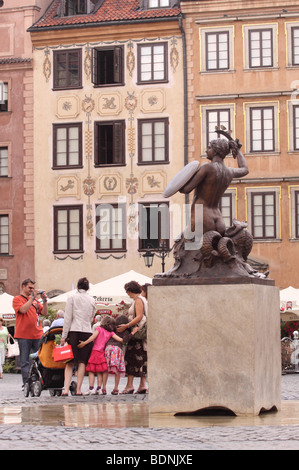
(98, 391)
(90, 391)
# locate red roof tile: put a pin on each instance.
(110, 10)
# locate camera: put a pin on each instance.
(40, 291)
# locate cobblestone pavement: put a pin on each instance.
(17, 433)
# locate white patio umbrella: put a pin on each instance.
(112, 290)
(62, 298)
(290, 294)
(6, 309)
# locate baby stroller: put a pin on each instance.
(45, 373)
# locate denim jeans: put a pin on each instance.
(26, 347)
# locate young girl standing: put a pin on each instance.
(97, 363)
(114, 353)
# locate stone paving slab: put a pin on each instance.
(149, 439)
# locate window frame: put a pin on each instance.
(121, 145)
(4, 87)
(262, 122)
(231, 194)
(153, 121)
(68, 208)
(296, 209)
(4, 147)
(217, 34)
(146, 242)
(79, 12)
(67, 126)
(67, 52)
(263, 215)
(158, 4)
(204, 110)
(219, 123)
(118, 63)
(6, 253)
(295, 148)
(110, 207)
(274, 46)
(261, 58)
(165, 62)
(276, 190)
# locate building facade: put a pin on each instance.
(16, 142)
(109, 135)
(243, 63)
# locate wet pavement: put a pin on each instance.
(123, 423)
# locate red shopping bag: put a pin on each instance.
(63, 353)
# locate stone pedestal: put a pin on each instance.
(212, 346)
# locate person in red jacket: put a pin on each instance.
(28, 330)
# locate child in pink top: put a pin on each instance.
(97, 363)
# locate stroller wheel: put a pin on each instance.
(26, 389)
(37, 388)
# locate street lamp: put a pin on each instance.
(148, 257)
(161, 253)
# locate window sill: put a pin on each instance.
(216, 71)
(262, 154)
(267, 240)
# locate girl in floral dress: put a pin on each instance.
(114, 353)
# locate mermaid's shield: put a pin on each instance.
(181, 178)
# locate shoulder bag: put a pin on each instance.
(13, 348)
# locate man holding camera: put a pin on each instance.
(28, 330)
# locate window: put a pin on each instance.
(107, 66)
(262, 137)
(3, 161)
(296, 214)
(158, 3)
(153, 141)
(110, 143)
(296, 127)
(226, 208)
(263, 215)
(212, 116)
(153, 225)
(152, 63)
(67, 69)
(260, 48)
(295, 45)
(3, 96)
(110, 227)
(75, 7)
(217, 117)
(217, 50)
(4, 235)
(67, 145)
(68, 229)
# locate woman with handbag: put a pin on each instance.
(79, 313)
(4, 335)
(136, 352)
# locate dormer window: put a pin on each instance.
(78, 7)
(158, 3)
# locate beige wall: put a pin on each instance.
(49, 108)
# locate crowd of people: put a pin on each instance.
(100, 346)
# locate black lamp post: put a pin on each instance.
(161, 253)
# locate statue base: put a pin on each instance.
(214, 347)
